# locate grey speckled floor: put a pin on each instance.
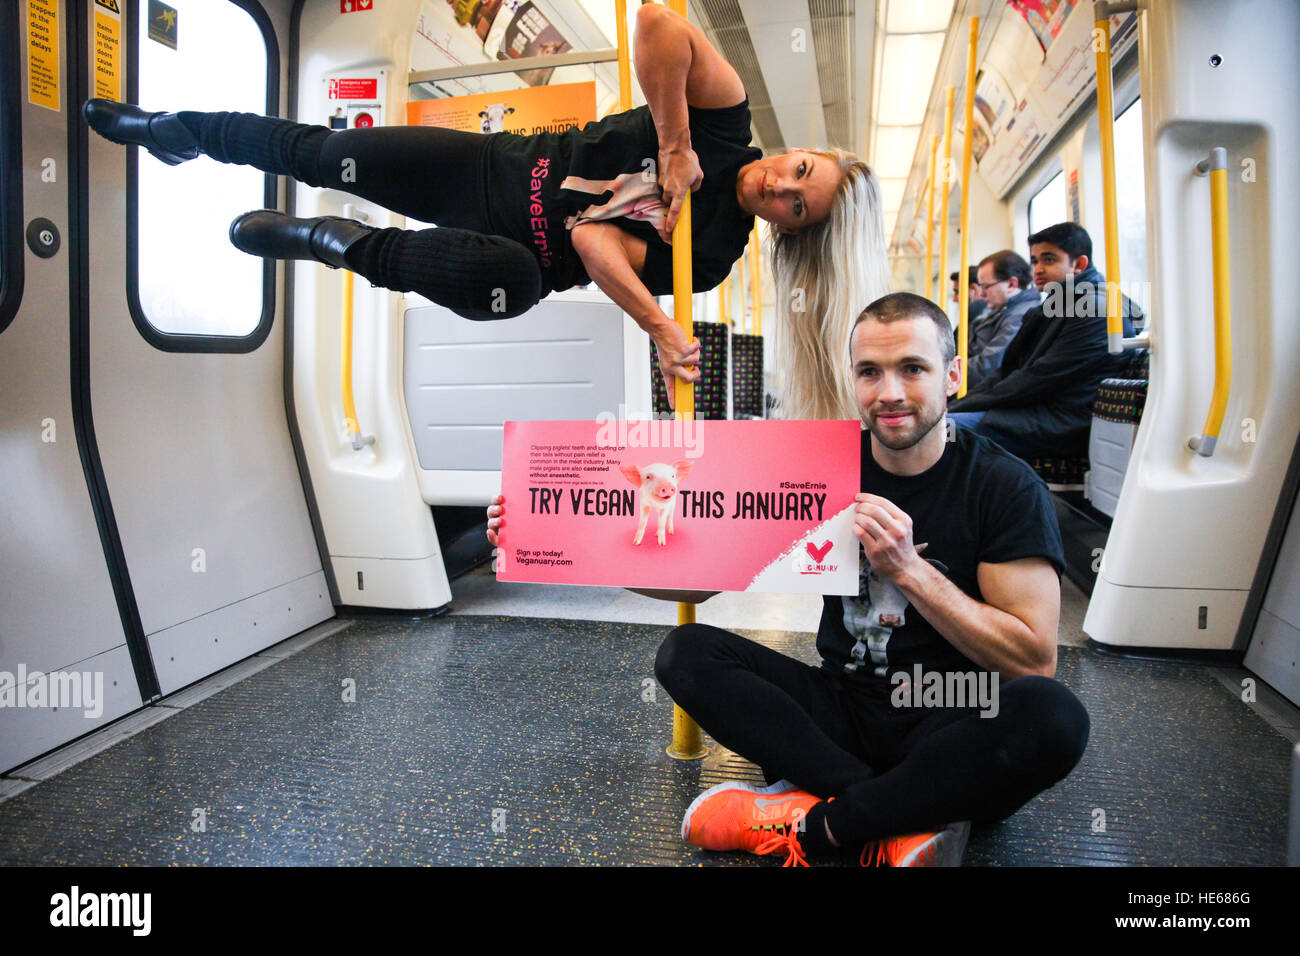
(485, 740)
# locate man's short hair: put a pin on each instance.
(1069, 237)
(909, 305)
(1007, 264)
(973, 272)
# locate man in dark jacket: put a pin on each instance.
(1039, 403)
(1004, 280)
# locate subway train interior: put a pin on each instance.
(248, 607)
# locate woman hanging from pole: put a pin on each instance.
(522, 216)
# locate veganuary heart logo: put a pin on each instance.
(818, 553)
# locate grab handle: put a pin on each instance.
(359, 441)
(1216, 165)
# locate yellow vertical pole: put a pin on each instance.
(756, 280)
(624, 60)
(929, 222)
(724, 300)
(963, 332)
(1106, 127)
(944, 173)
(345, 359)
(687, 740)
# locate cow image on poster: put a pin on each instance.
(494, 117)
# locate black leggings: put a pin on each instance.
(432, 174)
(892, 771)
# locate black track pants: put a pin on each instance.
(432, 174)
(892, 771)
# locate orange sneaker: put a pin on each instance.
(738, 816)
(944, 848)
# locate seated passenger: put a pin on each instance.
(1039, 404)
(525, 215)
(858, 760)
(976, 306)
(1004, 281)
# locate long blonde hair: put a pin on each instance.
(826, 274)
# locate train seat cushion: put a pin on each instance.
(1123, 399)
(1061, 471)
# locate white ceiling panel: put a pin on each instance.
(892, 153)
(917, 16)
(783, 43)
(907, 73)
(891, 192)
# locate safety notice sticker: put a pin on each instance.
(108, 56)
(43, 53)
(162, 23)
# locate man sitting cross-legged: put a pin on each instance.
(959, 535)
(960, 576)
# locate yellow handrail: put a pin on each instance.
(756, 281)
(345, 362)
(1216, 164)
(624, 60)
(724, 301)
(359, 441)
(929, 221)
(1106, 128)
(687, 740)
(943, 204)
(963, 285)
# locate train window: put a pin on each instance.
(1047, 206)
(1130, 195)
(189, 280)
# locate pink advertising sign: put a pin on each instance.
(698, 505)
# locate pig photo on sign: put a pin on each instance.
(657, 491)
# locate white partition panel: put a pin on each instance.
(1189, 530)
(573, 356)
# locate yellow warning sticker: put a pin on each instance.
(43, 53)
(108, 56)
(109, 5)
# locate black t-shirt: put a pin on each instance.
(530, 205)
(977, 504)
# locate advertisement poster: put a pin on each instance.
(529, 110)
(1045, 17)
(1040, 64)
(993, 99)
(520, 30)
(1069, 71)
(696, 505)
(507, 30)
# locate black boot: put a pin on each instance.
(273, 235)
(163, 134)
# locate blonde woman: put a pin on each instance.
(522, 216)
(826, 274)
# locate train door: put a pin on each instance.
(156, 528)
(65, 600)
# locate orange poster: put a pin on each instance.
(533, 109)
